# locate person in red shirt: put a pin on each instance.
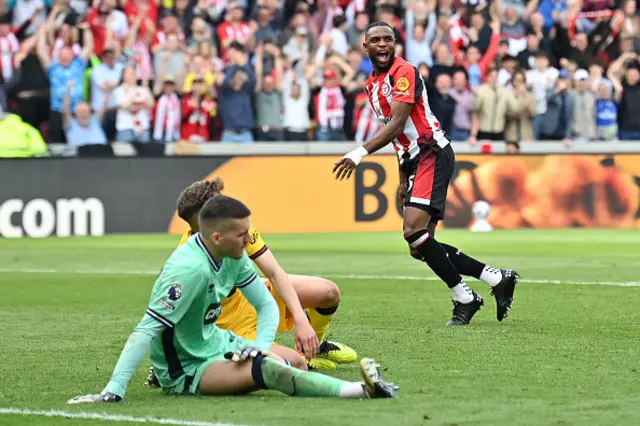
(169, 25)
(196, 113)
(233, 28)
(145, 8)
(398, 97)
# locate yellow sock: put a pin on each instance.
(319, 318)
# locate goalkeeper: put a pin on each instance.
(190, 354)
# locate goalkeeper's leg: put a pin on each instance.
(270, 372)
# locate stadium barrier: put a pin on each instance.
(293, 193)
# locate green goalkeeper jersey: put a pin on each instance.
(186, 299)
(179, 329)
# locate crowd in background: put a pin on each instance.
(89, 73)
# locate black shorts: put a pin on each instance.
(428, 176)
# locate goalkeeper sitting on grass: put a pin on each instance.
(190, 354)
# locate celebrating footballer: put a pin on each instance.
(398, 97)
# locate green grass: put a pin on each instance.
(567, 355)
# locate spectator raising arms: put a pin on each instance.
(68, 67)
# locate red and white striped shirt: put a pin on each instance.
(9, 46)
(402, 83)
(330, 108)
(365, 122)
(166, 127)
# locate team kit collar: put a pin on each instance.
(212, 260)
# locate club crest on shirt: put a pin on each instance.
(385, 89)
(402, 84)
(175, 292)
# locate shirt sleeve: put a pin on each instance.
(256, 246)
(134, 351)
(407, 84)
(261, 299)
(173, 293)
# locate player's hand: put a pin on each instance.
(245, 354)
(306, 339)
(93, 398)
(344, 168)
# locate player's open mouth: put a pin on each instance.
(382, 56)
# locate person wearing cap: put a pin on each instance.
(557, 122)
(584, 118)
(330, 102)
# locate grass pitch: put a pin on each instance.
(567, 355)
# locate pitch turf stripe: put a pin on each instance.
(337, 276)
(108, 417)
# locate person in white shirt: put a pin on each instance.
(296, 95)
(339, 42)
(133, 119)
(539, 80)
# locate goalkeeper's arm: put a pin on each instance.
(134, 351)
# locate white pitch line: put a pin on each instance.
(108, 417)
(338, 276)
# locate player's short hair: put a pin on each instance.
(196, 195)
(376, 24)
(222, 208)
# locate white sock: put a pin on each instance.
(462, 293)
(352, 390)
(491, 276)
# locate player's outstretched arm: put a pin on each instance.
(305, 336)
(134, 351)
(400, 112)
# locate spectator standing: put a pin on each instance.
(236, 98)
(557, 122)
(133, 119)
(461, 125)
(296, 94)
(489, 110)
(419, 38)
(85, 128)
(607, 112)
(68, 67)
(268, 97)
(170, 58)
(168, 117)
(521, 108)
(527, 57)
(629, 89)
(442, 103)
(197, 108)
(540, 80)
(105, 77)
(233, 28)
(584, 119)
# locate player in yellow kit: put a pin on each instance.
(293, 293)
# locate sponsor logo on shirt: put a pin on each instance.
(402, 84)
(166, 305)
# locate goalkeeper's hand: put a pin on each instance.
(98, 397)
(245, 354)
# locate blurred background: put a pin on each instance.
(90, 73)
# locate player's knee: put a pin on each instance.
(299, 362)
(332, 294)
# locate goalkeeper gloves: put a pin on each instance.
(98, 397)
